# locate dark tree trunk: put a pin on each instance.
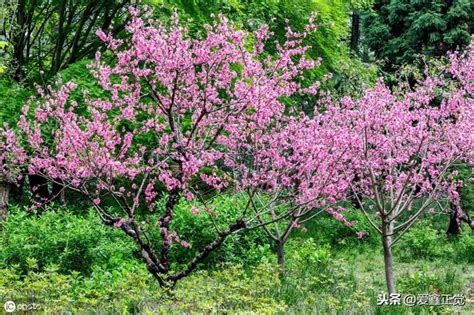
(457, 216)
(16, 191)
(356, 198)
(281, 255)
(4, 192)
(454, 227)
(56, 63)
(355, 31)
(19, 42)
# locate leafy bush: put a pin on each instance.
(425, 282)
(247, 247)
(464, 247)
(72, 242)
(13, 98)
(230, 289)
(327, 230)
(424, 241)
(328, 284)
(130, 289)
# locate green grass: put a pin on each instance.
(328, 271)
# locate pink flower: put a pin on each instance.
(188, 195)
(185, 244)
(195, 210)
(119, 223)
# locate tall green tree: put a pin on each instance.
(398, 31)
(46, 36)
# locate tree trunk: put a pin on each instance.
(355, 31)
(454, 227)
(19, 42)
(4, 192)
(387, 230)
(16, 191)
(56, 62)
(456, 217)
(281, 255)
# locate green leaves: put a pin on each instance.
(398, 30)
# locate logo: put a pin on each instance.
(9, 306)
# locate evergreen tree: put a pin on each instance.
(398, 31)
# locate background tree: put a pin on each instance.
(330, 42)
(404, 145)
(398, 31)
(307, 175)
(47, 36)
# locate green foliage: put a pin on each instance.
(248, 247)
(328, 41)
(130, 289)
(425, 241)
(318, 279)
(325, 278)
(72, 242)
(327, 230)
(122, 289)
(12, 98)
(231, 289)
(398, 31)
(429, 282)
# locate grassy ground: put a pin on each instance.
(67, 261)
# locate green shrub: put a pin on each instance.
(426, 282)
(72, 242)
(464, 247)
(246, 247)
(327, 230)
(423, 241)
(131, 289)
(315, 282)
(229, 289)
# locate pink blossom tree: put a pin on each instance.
(182, 111)
(302, 168)
(404, 144)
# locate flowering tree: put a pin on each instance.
(302, 168)
(181, 112)
(12, 158)
(404, 144)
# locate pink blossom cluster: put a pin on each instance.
(180, 109)
(403, 142)
(12, 156)
(194, 107)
